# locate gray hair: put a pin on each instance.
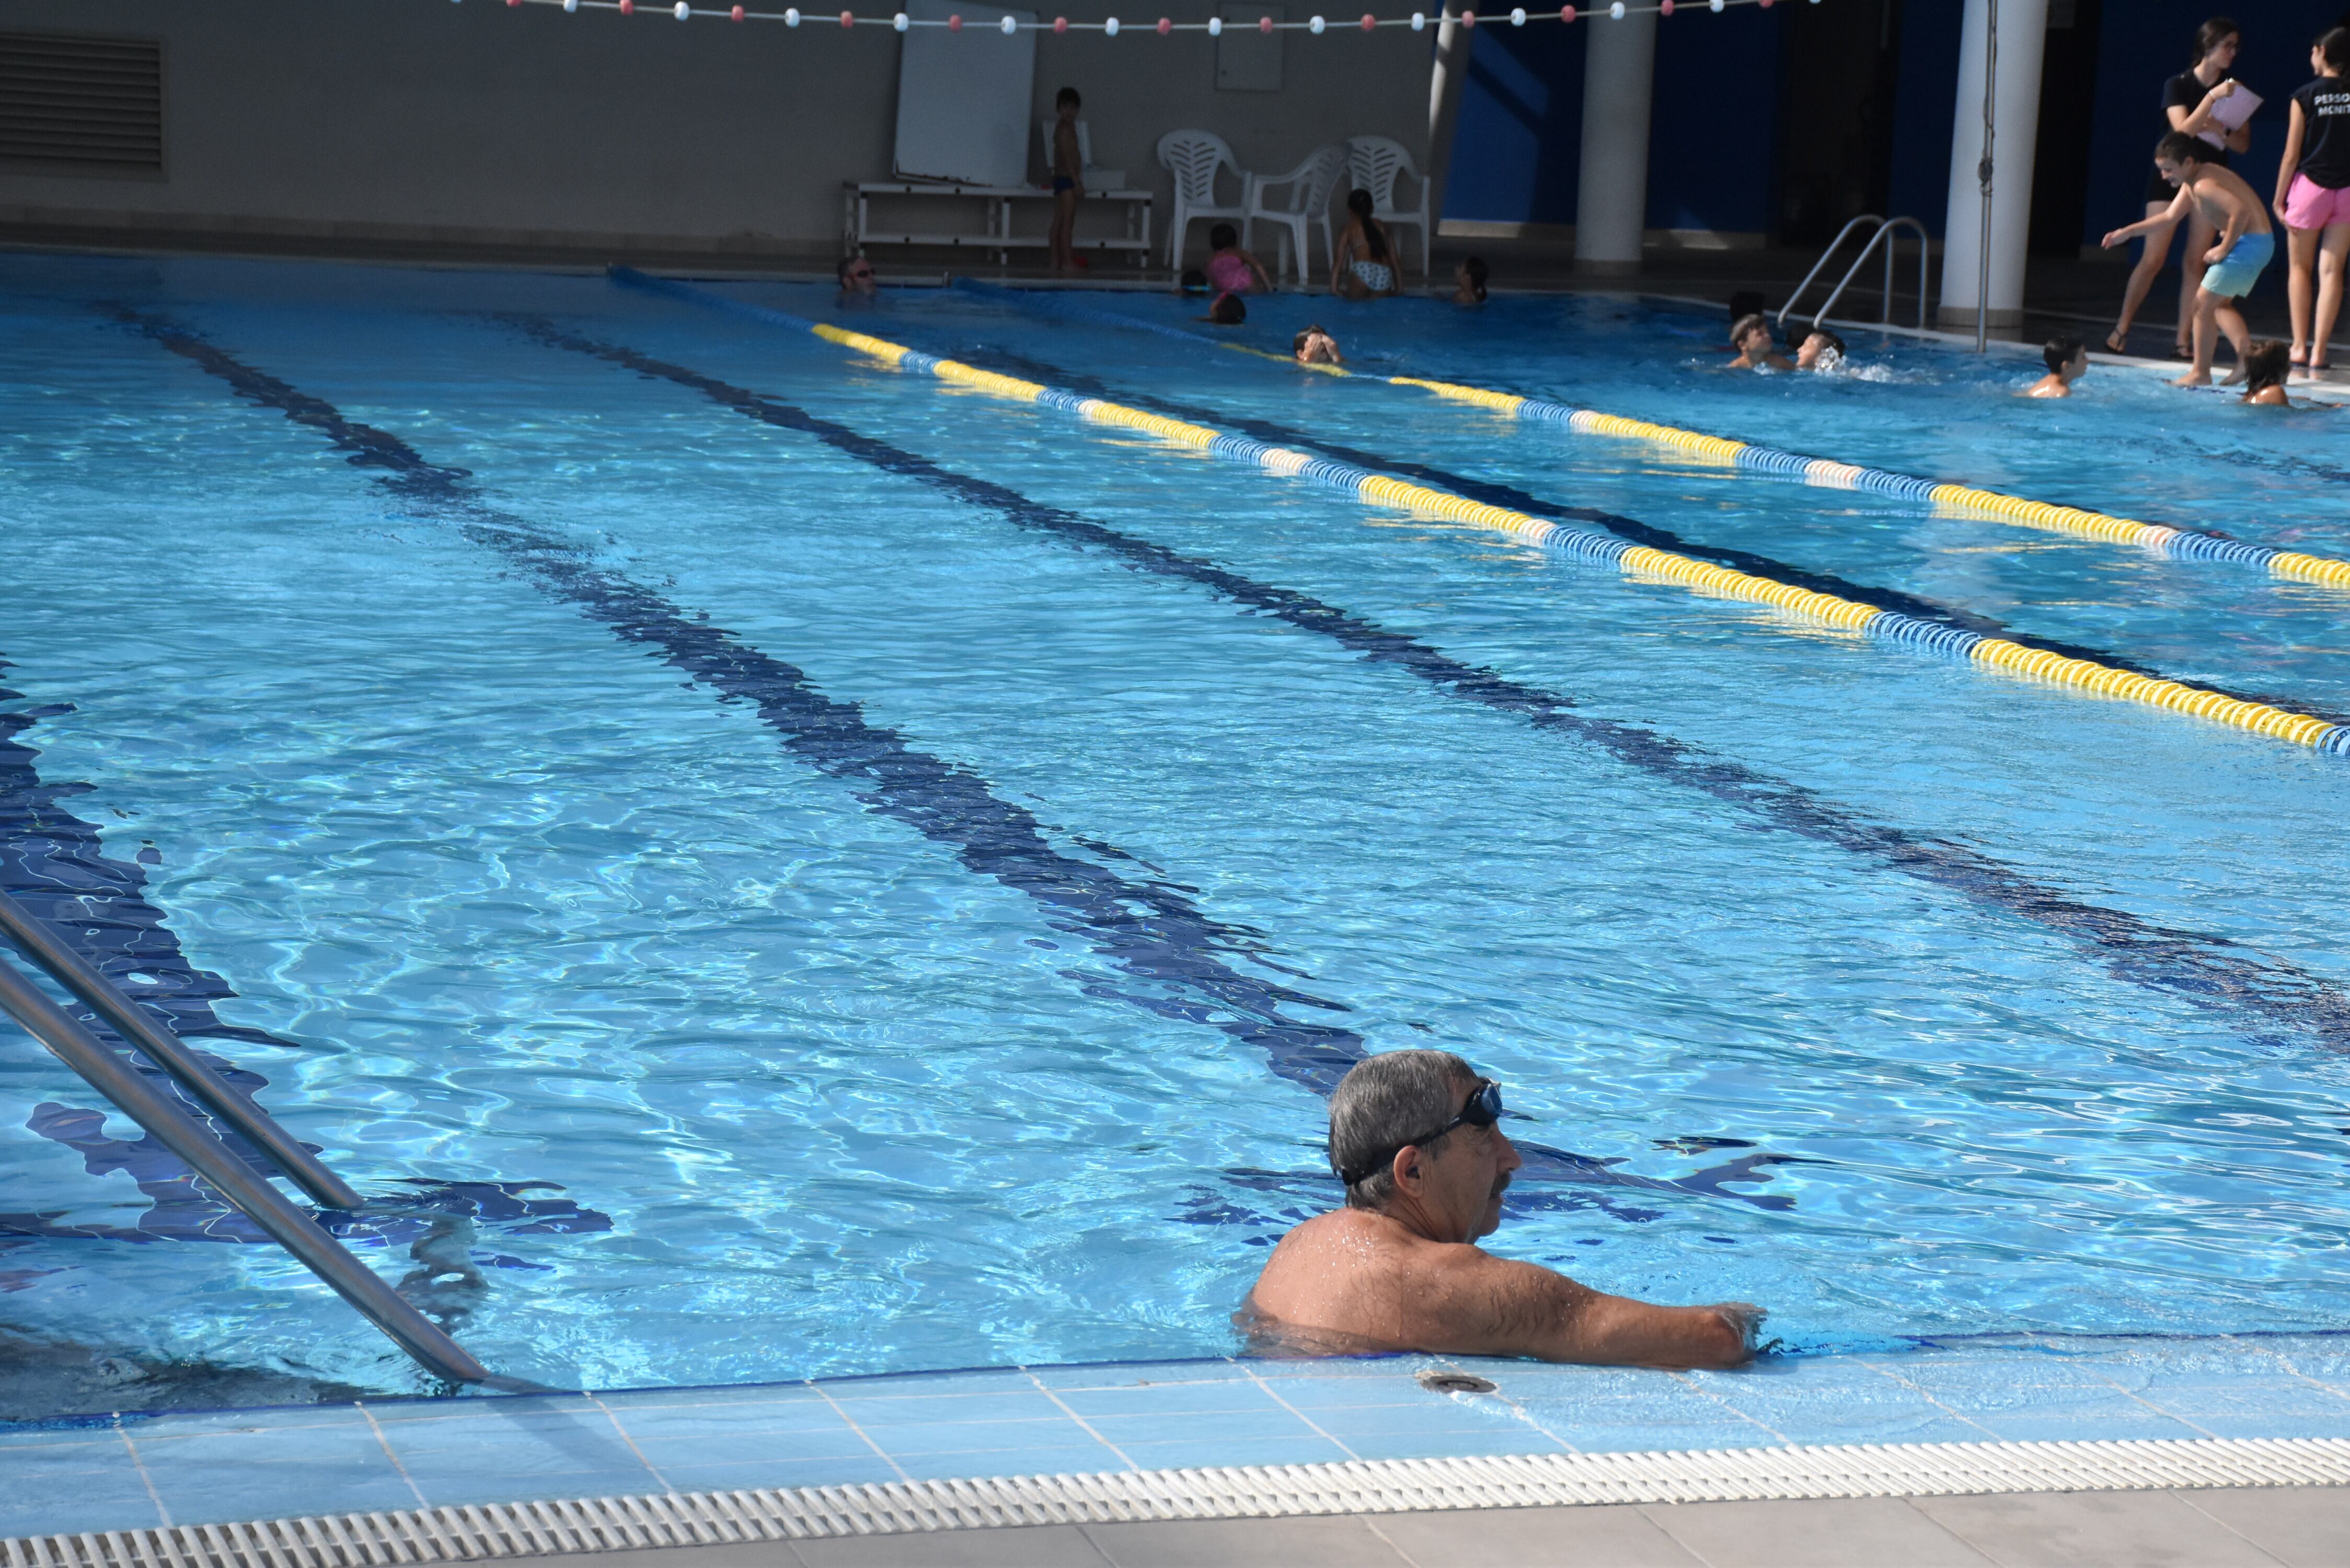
(1381, 1102)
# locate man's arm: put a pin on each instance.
(2170, 214)
(2295, 126)
(1462, 1299)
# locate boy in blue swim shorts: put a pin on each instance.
(2231, 266)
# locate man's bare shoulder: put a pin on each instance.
(1335, 1265)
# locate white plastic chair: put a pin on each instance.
(1193, 156)
(1305, 201)
(1375, 162)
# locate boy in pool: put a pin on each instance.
(1469, 281)
(2067, 358)
(1821, 350)
(1069, 179)
(2232, 266)
(1751, 337)
(1315, 347)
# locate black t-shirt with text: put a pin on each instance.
(2325, 132)
(2184, 91)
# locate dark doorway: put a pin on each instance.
(1835, 109)
(2068, 104)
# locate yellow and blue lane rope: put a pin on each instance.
(1640, 561)
(2176, 544)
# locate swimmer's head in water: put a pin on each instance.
(1228, 310)
(1743, 331)
(1473, 274)
(1194, 281)
(2059, 352)
(1399, 1100)
(2267, 363)
(1822, 351)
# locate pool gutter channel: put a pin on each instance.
(687, 1520)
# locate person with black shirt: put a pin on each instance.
(2189, 100)
(2312, 197)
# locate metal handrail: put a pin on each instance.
(1884, 227)
(237, 1182)
(130, 1021)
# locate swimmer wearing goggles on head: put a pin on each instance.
(1416, 1137)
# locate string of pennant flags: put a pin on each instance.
(1110, 27)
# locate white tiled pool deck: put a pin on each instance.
(131, 1471)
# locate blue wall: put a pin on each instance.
(1713, 139)
(1713, 129)
(2146, 42)
(1924, 107)
(1520, 134)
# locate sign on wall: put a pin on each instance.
(964, 98)
(1246, 59)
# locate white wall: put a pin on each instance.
(479, 124)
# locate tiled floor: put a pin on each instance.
(2300, 1528)
(133, 1471)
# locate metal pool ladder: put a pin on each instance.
(1885, 227)
(220, 1168)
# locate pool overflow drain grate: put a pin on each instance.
(1383, 1486)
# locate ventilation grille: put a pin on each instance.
(72, 105)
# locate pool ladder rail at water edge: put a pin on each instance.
(214, 1162)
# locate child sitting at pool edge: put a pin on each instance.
(2067, 358)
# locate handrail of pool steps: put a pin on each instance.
(1640, 561)
(208, 1088)
(236, 1183)
(2163, 539)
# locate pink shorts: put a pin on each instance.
(2310, 205)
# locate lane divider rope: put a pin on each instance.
(1639, 562)
(2176, 544)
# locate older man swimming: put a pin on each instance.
(1415, 1136)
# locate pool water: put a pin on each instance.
(884, 883)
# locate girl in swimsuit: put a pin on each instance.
(1365, 265)
(1233, 270)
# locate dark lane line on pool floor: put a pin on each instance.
(1146, 928)
(1009, 362)
(2210, 970)
(56, 865)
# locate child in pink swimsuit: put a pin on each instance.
(1233, 270)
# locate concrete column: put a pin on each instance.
(1611, 204)
(2015, 136)
(1451, 73)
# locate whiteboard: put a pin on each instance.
(965, 99)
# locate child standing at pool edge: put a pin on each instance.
(1069, 179)
(2232, 266)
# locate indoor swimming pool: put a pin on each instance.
(775, 866)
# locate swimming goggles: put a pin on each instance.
(1481, 1110)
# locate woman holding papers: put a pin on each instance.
(2203, 101)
